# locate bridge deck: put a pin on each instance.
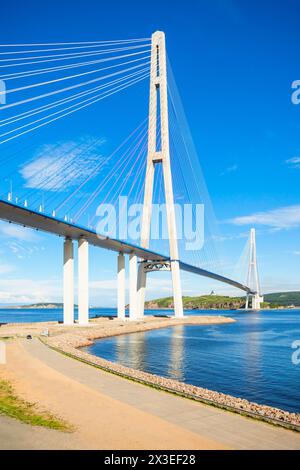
(203, 272)
(28, 218)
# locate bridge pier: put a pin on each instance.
(255, 302)
(68, 310)
(177, 293)
(141, 288)
(133, 313)
(83, 281)
(121, 286)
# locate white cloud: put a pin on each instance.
(296, 253)
(270, 284)
(6, 268)
(281, 218)
(103, 293)
(13, 238)
(107, 284)
(18, 232)
(229, 169)
(293, 162)
(23, 251)
(237, 236)
(15, 291)
(60, 166)
(153, 284)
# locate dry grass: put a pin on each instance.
(13, 406)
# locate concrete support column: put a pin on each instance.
(68, 282)
(83, 281)
(141, 288)
(121, 286)
(256, 301)
(132, 286)
(177, 294)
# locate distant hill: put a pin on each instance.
(200, 302)
(284, 298)
(44, 305)
(40, 305)
(278, 299)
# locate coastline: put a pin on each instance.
(98, 407)
(69, 340)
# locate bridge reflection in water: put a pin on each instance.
(176, 363)
(137, 350)
(250, 358)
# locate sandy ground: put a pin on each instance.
(110, 412)
(101, 422)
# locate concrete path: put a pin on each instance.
(15, 435)
(212, 425)
(100, 421)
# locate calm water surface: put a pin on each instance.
(250, 358)
(30, 315)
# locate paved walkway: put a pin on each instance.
(214, 427)
(101, 422)
(15, 435)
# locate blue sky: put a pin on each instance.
(234, 62)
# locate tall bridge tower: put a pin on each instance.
(252, 277)
(158, 116)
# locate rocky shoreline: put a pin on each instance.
(240, 405)
(70, 340)
(71, 346)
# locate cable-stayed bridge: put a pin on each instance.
(148, 167)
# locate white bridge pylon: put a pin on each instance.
(138, 268)
(141, 259)
(159, 156)
(252, 277)
(77, 237)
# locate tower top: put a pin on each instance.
(158, 35)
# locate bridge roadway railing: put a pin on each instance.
(26, 217)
